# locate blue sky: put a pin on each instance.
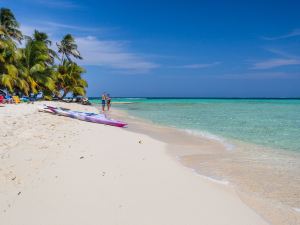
(177, 48)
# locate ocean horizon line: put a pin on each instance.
(255, 98)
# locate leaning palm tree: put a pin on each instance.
(68, 47)
(32, 69)
(69, 79)
(41, 38)
(9, 26)
(9, 33)
(37, 63)
(12, 81)
(10, 78)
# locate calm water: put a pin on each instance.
(264, 165)
(268, 122)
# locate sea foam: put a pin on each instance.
(223, 182)
(218, 181)
(210, 136)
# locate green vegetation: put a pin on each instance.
(36, 67)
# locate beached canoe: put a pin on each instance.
(85, 116)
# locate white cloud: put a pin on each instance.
(272, 63)
(57, 26)
(55, 29)
(281, 53)
(112, 54)
(294, 33)
(29, 29)
(284, 59)
(198, 66)
(261, 75)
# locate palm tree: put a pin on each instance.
(69, 73)
(9, 26)
(68, 47)
(32, 68)
(41, 36)
(41, 39)
(37, 63)
(9, 33)
(12, 81)
(69, 79)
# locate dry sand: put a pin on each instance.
(61, 171)
(271, 190)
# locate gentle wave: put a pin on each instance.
(210, 136)
(223, 182)
(218, 181)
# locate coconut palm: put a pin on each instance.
(69, 79)
(9, 33)
(12, 81)
(9, 26)
(32, 69)
(43, 38)
(69, 73)
(68, 47)
(37, 63)
(9, 74)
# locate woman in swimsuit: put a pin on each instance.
(108, 100)
(103, 101)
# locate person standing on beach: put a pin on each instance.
(108, 101)
(103, 101)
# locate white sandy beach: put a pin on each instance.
(61, 171)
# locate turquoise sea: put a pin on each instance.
(272, 123)
(262, 137)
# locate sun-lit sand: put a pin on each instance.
(271, 190)
(61, 171)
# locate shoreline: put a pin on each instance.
(269, 206)
(58, 170)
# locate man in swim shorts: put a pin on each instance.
(103, 101)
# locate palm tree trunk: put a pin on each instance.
(64, 94)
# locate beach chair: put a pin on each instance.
(16, 99)
(8, 99)
(24, 99)
(2, 100)
(32, 98)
